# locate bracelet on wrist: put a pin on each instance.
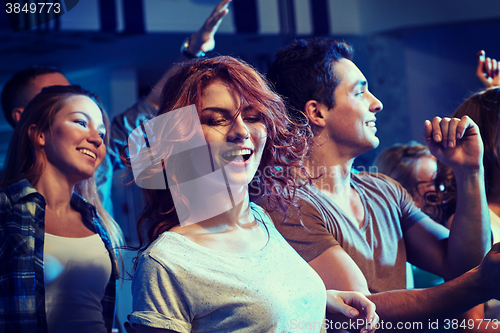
(186, 53)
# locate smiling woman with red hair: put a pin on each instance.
(211, 259)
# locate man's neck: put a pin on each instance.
(334, 172)
(333, 169)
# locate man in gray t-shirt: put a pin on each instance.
(377, 247)
(358, 230)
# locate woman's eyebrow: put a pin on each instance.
(215, 109)
(85, 114)
(226, 111)
(248, 108)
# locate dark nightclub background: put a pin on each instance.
(419, 56)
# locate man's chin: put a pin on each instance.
(369, 147)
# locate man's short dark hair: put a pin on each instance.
(304, 71)
(15, 90)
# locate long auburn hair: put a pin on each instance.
(284, 151)
(26, 158)
(484, 109)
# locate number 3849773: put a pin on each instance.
(39, 8)
(471, 323)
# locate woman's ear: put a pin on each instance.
(40, 137)
(314, 112)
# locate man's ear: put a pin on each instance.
(314, 112)
(16, 114)
(40, 138)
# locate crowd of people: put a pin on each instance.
(254, 219)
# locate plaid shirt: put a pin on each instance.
(22, 232)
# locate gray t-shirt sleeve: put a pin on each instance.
(410, 213)
(158, 298)
(304, 229)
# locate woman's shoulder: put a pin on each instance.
(17, 190)
(17, 197)
(261, 214)
(168, 246)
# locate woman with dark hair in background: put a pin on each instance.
(484, 109)
(211, 259)
(57, 264)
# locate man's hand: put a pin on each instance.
(203, 40)
(351, 304)
(487, 70)
(490, 272)
(455, 142)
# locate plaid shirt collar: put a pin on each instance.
(22, 189)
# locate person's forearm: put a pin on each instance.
(470, 232)
(195, 46)
(445, 301)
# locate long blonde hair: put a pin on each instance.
(26, 159)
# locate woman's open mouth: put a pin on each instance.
(239, 155)
(88, 153)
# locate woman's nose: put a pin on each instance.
(238, 130)
(95, 138)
